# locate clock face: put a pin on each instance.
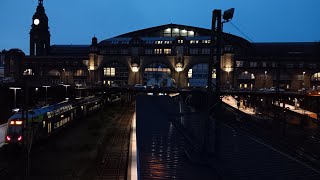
(36, 22)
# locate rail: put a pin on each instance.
(2, 126)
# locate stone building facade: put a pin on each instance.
(167, 55)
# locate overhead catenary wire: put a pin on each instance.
(241, 31)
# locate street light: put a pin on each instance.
(179, 68)
(66, 85)
(135, 69)
(303, 79)
(15, 95)
(46, 93)
(228, 69)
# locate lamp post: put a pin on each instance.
(216, 36)
(46, 93)
(178, 69)
(66, 85)
(135, 69)
(303, 79)
(15, 95)
(265, 78)
(228, 69)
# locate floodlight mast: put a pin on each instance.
(215, 61)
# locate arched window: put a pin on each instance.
(80, 72)
(315, 77)
(28, 72)
(155, 73)
(198, 75)
(246, 75)
(54, 72)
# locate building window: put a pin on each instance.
(167, 42)
(205, 51)
(190, 73)
(289, 65)
(159, 42)
(113, 51)
(206, 41)
(157, 51)
(193, 50)
(28, 72)
(148, 51)
(109, 71)
(301, 77)
(264, 64)
(194, 41)
(80, 72)
(312, 66)
(239, 63)
(115, 42)
(253, 64)
(180, 41)
(167, 32)
(124, 51)
(167, 51)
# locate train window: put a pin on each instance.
(49, 127)
(14, 129)
(43, 124)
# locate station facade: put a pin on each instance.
(167, 55)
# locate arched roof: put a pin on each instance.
(159, 32)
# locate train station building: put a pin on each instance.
(167, 55)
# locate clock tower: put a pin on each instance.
(39, 34)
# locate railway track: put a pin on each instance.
(293, 150)
(113, 158)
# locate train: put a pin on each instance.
(49, 120)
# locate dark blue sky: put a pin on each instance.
(76, 21)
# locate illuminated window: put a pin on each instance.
(183, 32)
(198, 75)
(167, 42)
(180, 41)
(190, 73)
(206, 41)
(167, 51)
(54, 72)
(109, 71)
(315, 77)
(28, 72)
(194, 42)
(239, 63)
(80, 72)
(157, 51)
(159, 42)
(191, 33)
